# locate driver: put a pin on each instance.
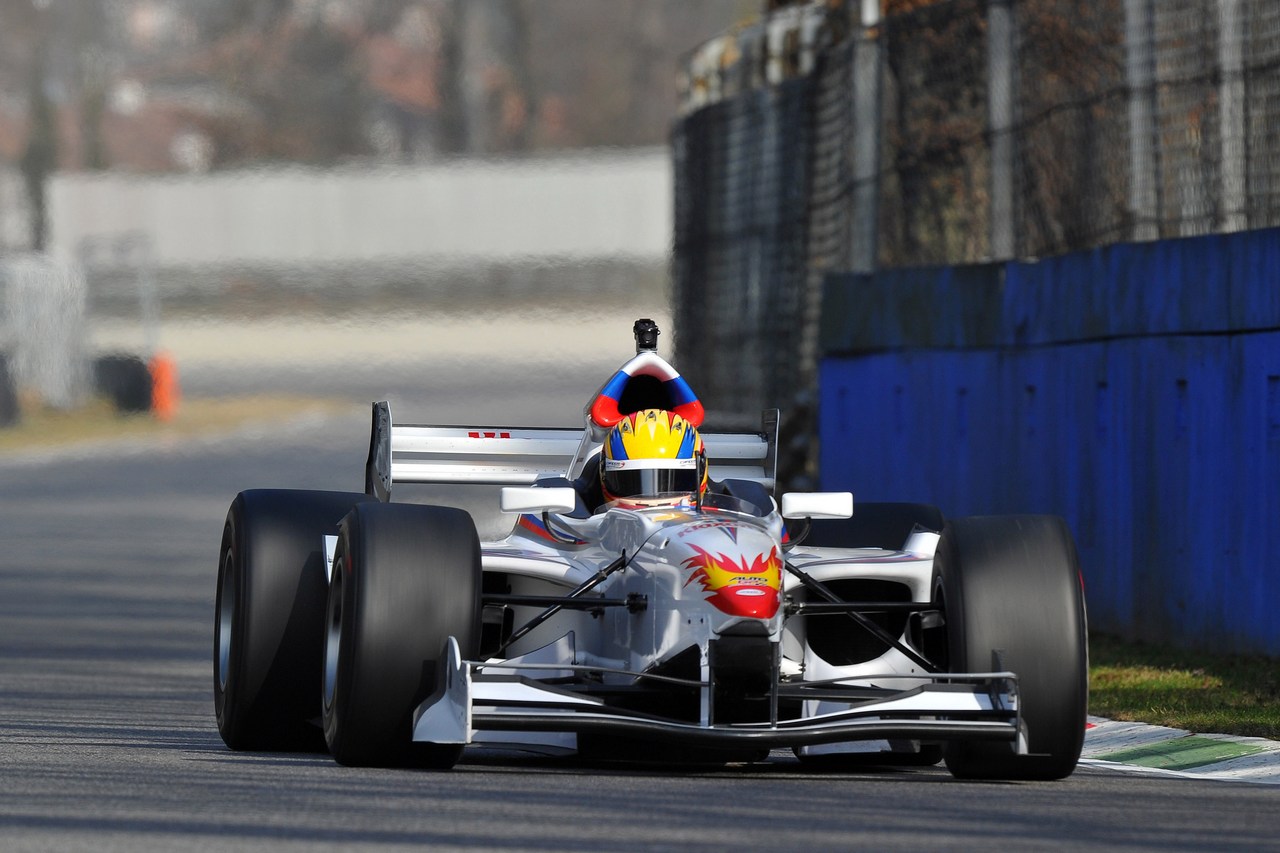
(653, 458)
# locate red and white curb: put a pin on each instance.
(1140, 748)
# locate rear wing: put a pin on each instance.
(518, 456)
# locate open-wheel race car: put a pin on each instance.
(652, 601)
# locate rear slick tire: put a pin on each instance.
(1010, 589)
(408, 579)
(269, 617)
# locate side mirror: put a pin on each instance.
(537, 500)
(817, 505)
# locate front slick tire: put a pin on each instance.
(269, 617)
(408, 579)
(1011, 585)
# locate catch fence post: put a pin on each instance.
(868, 65)
(1139, 38)
(1231, 105)
(1000, 116)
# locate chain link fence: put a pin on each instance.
(962, 132)
(740, 242)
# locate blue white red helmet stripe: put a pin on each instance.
(681, 394)
(613, 388)
(604, 410)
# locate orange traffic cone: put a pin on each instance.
(165, 393)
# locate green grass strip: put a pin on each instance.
(1184, 689)
(1183, 753)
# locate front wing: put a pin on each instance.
(474, 698)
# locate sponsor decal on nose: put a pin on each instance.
(739, 586)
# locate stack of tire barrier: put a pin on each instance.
(124, 380)
(131, 384)
(134, 385)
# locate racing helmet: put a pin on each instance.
(653, 457)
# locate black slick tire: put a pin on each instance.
(269, 617)
(1010, 590)
(409, 578)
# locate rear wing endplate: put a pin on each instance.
(519, 456)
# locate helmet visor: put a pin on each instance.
(636, 482)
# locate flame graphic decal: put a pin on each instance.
(738, 587)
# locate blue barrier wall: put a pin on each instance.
(1134, 390)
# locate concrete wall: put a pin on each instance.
(1135, 390)
(594, 204)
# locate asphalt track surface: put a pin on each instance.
(108, 739)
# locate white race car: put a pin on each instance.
(715, 628)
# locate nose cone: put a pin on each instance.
(741, 582)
